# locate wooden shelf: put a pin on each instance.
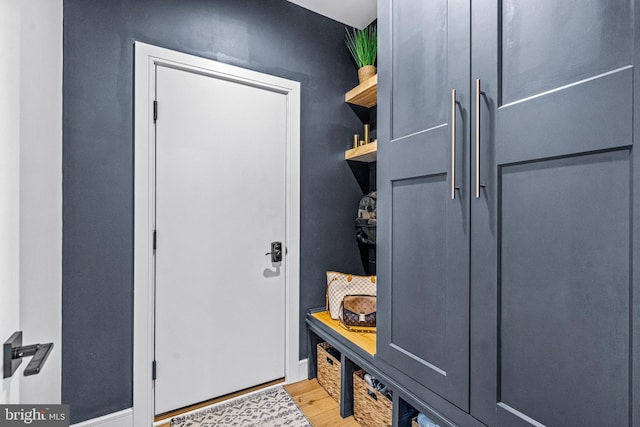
(365, 153)
(365, 94)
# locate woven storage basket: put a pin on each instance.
(329, 371)
(370, 407)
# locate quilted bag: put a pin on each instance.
(359, 310)
(340, 285)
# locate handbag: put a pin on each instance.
(359, 311)
(340, 284)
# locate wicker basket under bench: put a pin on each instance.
(329, 370)
(356, 352)
(370, 407)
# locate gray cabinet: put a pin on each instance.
(423, 252)
(518, 299)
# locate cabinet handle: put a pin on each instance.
(453, 144)
(477, 138)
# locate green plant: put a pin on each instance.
(363, 45)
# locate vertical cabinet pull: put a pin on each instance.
(477, 138)
(453, 144)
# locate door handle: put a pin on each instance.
(453, 145)
(478, 94)
(13, 351)
(276, 252)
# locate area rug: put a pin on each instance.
(269, 408)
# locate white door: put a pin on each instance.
(220, 202)
(31, 191)
(9, 185)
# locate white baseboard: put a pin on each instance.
(302, 371)
(117, 419)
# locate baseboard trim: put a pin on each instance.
(117, 419)
(303, 372)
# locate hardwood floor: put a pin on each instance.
(316, 404)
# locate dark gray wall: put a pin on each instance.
(271, 36)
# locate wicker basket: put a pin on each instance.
(329, 371)
(370, 407)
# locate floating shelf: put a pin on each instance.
(365, 94)
(365, 153)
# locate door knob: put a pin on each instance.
(13, 351)
(276, 252)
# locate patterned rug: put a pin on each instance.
(269, 408)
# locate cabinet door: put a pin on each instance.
(423, 243)
(551, 244)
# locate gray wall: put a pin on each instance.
(271, 36)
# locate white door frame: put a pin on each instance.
(146, 58)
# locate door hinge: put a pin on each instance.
(153, 371)
(155, 241)
(155, 110)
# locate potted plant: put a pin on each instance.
(363, 45)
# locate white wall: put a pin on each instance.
(9, 180)
(41, 191)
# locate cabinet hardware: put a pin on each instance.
(453, 144)
(477, 138)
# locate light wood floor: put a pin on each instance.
(316, 404)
